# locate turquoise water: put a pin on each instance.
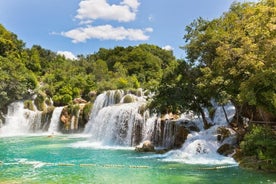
(59, 159)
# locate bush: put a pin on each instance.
(73, 110)
(39, 101)
(87, 111)
(260, 142)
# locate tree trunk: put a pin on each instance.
(205, 122)
(225, 114)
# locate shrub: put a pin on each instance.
(39, 101)
(87, 110)
(260, 142)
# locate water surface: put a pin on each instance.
(65, 159)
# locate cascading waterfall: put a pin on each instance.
(54, 124)
(201, 147)
(20, 121)
(116, 120)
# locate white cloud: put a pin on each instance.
(134, 4)
(67, 54)
(149, 29)
(106, 32)
(100, 9)
(90, 11)
(167, 47)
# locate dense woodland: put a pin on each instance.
(231, 58)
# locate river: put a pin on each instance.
(72, 159)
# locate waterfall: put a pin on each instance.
(201, 147)
(20, 121)
(116, 119)
(54, 124)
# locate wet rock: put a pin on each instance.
(223, 133)
(147, 146)
(180, 136)
(226, 149)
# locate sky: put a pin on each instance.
(75, 27)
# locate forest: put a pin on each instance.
(228, 59)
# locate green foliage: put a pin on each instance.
(40, 101)
(231, 58)
(28, 104)
(87, 111)
(73, 109)
(260, 90)
(260, 142)
(63, 80)
(9, 44)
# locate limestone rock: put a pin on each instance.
(147, 146)
(79, 101)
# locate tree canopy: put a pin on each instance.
(234, 59)
(25, 71)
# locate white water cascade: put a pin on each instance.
(116, 119)
(20, 121)
(201, 147)
(54, 124)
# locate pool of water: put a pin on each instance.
(65, 159)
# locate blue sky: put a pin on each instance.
(84, 26)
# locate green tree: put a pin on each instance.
(233, 51)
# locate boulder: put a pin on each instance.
(226, 149)
(147, 146)
(92, 94)
(79, 101)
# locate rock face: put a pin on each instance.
(226, 149)
(147, 146)
(65, 119)
(79, 101)
(180, 136)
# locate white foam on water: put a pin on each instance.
(20, 121)
(201, 147)
(97, 145)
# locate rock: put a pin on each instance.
(226, 149)
(79, 101)
(180, 136)
(193, 128)
(92, 94)
(223, 133)
(65, 118)
(147, 146)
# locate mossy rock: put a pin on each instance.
(28, 104)
(142, 109)
(40, 101)
(128, 99)
(73, 110)
(48, 102)
(87, 111)
(117, 96)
